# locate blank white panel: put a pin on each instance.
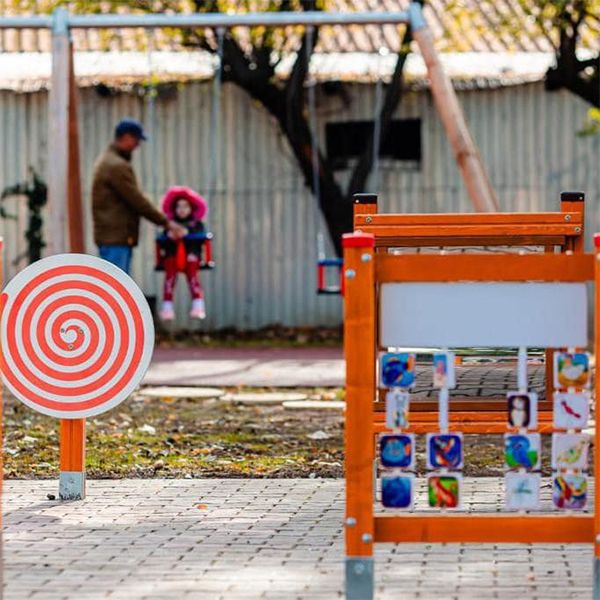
(483, 314)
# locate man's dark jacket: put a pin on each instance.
(117, 201)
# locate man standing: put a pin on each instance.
(117, 201)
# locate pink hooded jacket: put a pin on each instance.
(197, 202)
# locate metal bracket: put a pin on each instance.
(359, 578)
(60, 22)
(417, 20)
(71, 485)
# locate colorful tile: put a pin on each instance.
(522, 450)
(443, 370)
(397, 450)
(522, 410)
(397, 404)
(444, 450)
(570, 450)
(571, 410)
(571, 370)
(522, 491)
(569, 491)
(397, 491)
(443, 491)
(398, 370)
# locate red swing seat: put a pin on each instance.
(206, 256)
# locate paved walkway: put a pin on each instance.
(303, 367)
(241, 539)
(283, 367)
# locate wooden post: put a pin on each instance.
(64, 190)
(364, 204)
(570, 203)
(467, 156)
(360, 351)
(596, 589)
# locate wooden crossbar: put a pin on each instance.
(394, 241)
(478, 229)
(450, 220)
(482, 528)
(464, 425)
(484, 267)
(468, 231)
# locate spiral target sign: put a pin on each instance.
(76, 336)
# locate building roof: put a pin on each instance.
(484, 43)
(457, 25)
(30, 72)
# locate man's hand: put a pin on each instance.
(175, 230)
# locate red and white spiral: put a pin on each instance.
(76, 336)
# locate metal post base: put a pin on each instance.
(71, 485)
(596, 583)
(359, 578)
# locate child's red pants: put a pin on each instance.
(191, 273)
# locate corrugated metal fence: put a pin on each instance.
(265, 222)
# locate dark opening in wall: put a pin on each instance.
(347, 140)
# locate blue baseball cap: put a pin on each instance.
(130, 126)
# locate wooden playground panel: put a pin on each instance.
(387, 305)
(432, 235)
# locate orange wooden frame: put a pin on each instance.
(561, 230)
(364, 271)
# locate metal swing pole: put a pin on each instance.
(215, 154)
(151, 106)
(322, 261)
(377, 124)
(64, 200)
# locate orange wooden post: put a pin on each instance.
(72, 431)
(596, 594)
(364, 204)
(359, 350)
(572, 205)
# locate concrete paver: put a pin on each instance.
(254, 539)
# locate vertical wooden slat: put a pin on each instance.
(72, 445)
(364, 204)
(359, 350)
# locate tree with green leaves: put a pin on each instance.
(564, 25)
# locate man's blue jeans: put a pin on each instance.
(117, 255)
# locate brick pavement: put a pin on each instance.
(135, 539)
(309, 367)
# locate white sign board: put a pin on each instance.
(455, 315)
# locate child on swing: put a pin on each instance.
(186, 208)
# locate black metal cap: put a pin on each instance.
(572, 196)
(365, 198)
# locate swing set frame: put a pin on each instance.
(64, 181)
